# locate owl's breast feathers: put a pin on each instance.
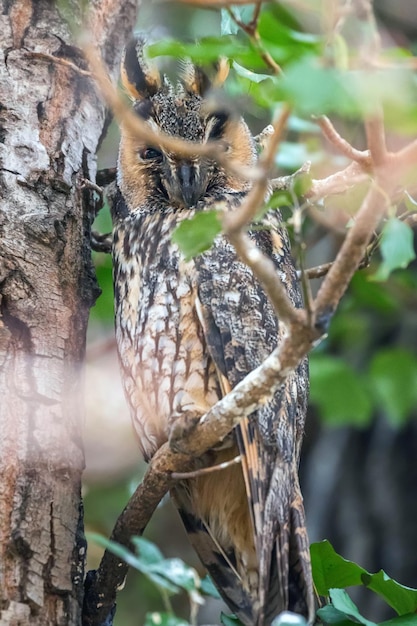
(187, 333)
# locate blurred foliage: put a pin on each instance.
(367, 366)
(331, 574)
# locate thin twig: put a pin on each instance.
(297, 221)
(59, 61)
(286, 183)
(331, 134)
(256, 14)
(337, 183)
(206, 470)
(251, 30)
(351, 253)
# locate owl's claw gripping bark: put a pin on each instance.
(181, 426)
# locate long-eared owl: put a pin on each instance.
(189, 331)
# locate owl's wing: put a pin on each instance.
(241, 330)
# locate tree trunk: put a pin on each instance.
(51, 122)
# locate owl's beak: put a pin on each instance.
(189, 185)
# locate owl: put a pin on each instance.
(189, 330)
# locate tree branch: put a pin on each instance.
(351, 253)
(331, 134)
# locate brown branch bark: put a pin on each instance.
(341, 144)
(351, 253)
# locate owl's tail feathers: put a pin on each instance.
(301, 590)
(285, 569)
(221, 566)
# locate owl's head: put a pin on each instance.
(148, 174)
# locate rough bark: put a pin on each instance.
(51, 122)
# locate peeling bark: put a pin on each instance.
(51, 122)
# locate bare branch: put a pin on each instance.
(351, 253)
(405, 158)
(50, 58)
(251, 30)
(257, 388)
(337, 183)
(375, 134)
(331, 134)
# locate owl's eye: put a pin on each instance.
(148, 154)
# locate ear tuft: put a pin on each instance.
(140, 79)
(222, 72)
(195, 79)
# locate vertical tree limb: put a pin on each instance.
(51, 122)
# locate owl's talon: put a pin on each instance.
(182, 425)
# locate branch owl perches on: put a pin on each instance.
(189, 331)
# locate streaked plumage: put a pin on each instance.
(188, 332)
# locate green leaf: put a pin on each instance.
(197, 234)
(339, 392)
(397, 249)
(207, 588)
(329, 615)
(252, 76)
(173, 571)
(316, 90)
(228, 25)
(176, 571)
(343, 603)
(209, 49)
(116, 548)
(164, 619)
(149, 553)
(285, 42)
(401, 598)
(402, 620)
(330, 571)
(393, 375)
(230, 620)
